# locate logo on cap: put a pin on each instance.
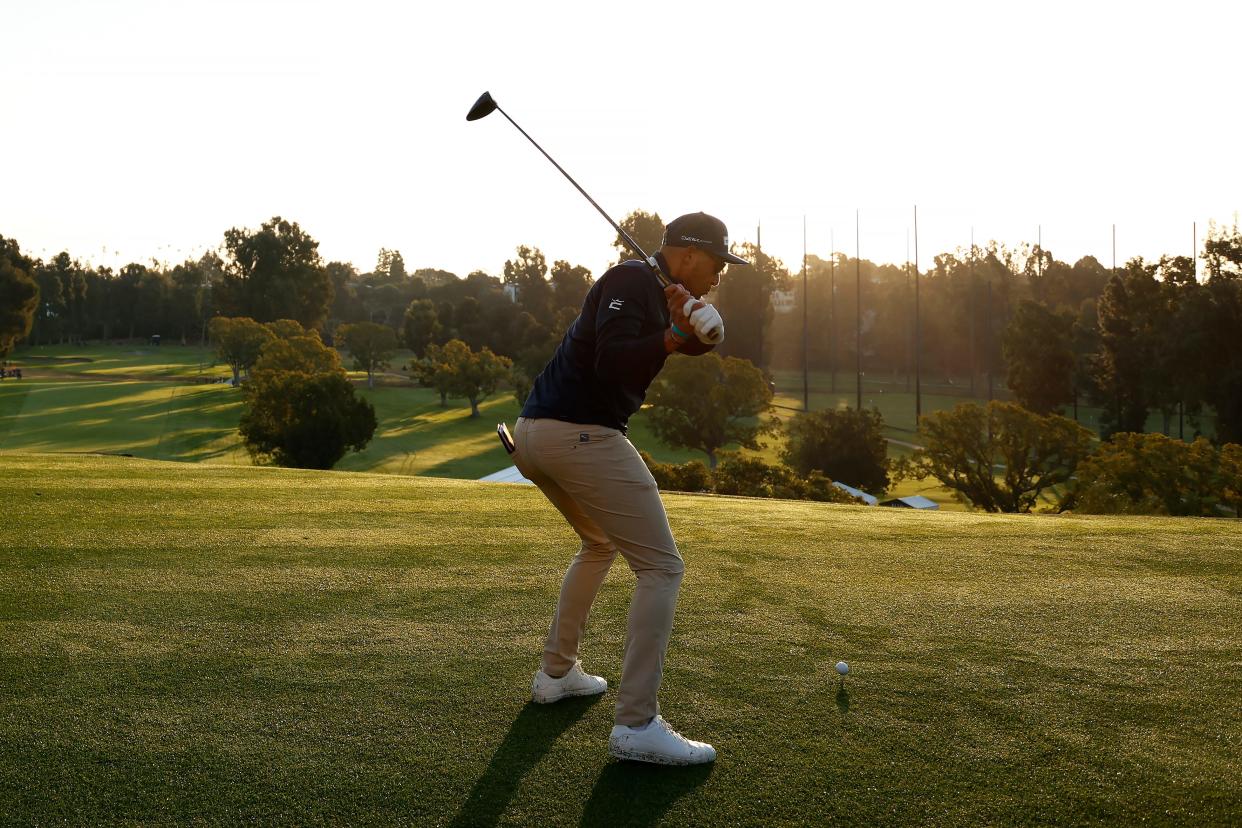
(703, 230)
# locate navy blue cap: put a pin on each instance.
(702, 231)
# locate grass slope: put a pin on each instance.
(149, 402)
(223, 645)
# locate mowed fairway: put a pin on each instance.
(148, 402)
(225, 645)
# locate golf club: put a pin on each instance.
(484, 107)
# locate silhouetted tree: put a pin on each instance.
(847, 445)
(301, 410)
(1039, 357)
(275, 273)
(19, 295)
(645, 228)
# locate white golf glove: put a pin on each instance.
(708, 326)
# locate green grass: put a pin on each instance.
(217, 645)
(123, 360)
(157, 420)
(128, 400)
(150, 402)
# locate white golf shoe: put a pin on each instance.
(545, 689)
(658, 743)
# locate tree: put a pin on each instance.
(191, 283)
(457, 371)
(56, 322)
(420, 326)
(384, 302)
(964, 447)
(647, 229)
(301, 409)
(964, 303)
(72, 279)
(1222, 252)
(434, 278)
(19, 296)
(1214, 312)
(1151, 474)
(1231, 477)
(679, 477)
(1039, 357)
(49, 320)
(346, 306)
(304, 354)
(390, 266)
(304, 420)
(751, 477)
(1131, 312)
(100, 289)
(239, 341)
(527, 273)
(744, 298)
(471, 326)
(1085, 342)
(570, 285)
(275, 273)
(125, 300)
(285, 328)
(150, 314)
(370, 345)
(707, 402)
(432, 371)
(845, 445)
(293, 348)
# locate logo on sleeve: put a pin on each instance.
(615, 304)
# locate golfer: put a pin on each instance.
(571, 442)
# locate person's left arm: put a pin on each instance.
(623, 352)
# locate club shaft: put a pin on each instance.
(642, 254)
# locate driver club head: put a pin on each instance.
(482, 107)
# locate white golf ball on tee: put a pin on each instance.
(842, 667)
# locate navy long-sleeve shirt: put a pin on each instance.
(610, 354)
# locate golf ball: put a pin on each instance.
(842, 667)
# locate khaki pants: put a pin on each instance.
(595, 477)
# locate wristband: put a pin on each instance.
(678, 332)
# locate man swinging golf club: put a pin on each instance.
(570, 441)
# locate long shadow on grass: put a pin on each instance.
(532, 734)
(632, 793)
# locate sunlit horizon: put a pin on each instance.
(146, 130)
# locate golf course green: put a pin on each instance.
(162, 403)
(219, 645)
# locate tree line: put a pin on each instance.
(1001, 457)
(1147, 336)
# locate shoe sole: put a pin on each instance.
(568, 695)
(655, 758)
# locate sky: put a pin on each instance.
(139, 130)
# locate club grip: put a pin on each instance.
(506, 439)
